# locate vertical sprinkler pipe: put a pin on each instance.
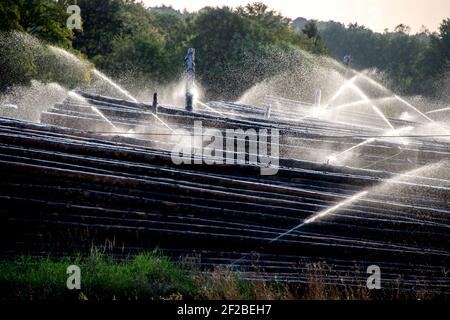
(190, 78)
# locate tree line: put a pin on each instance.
(411, 63)
(236, 48)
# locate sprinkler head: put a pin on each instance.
(331, 159)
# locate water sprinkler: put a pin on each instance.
(331, 159)
(318, 98)
(155, 103)
(268, 111)
(190, 78)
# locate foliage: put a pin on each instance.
(412, 63)
(141, 54)
(23, 58)
(146, 276)
(103, 21)
(236, 48)
(44, 19)
(149, 46)
(17, 61)
(222, 39)
(26, 56)
(310, 29)
(10, 15)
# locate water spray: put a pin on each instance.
(327, 212)
(340, 91)
(361, 102)
(395, 133)
(104, 118)
(114, 85)
(438, 110)
(313, 218)
(334, 158)
(413, 108)
(78, 97)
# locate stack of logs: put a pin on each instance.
(65, 189)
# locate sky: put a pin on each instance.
(375, 14)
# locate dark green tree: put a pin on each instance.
(310, 29)
(141, 55)
(221, 39)
(44, 19)
(444, 36)
(103, 21)
(10, 15)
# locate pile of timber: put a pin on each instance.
(310, 139)
(66, 189)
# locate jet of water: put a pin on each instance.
(68, 57)
(373, 82)
(394, 132)
(365, 98)
(336, 207)
(73, 59)
(340, 91)
(335, 157)
(382, 116)
(82, 99)
(76, 96)
(351, 104)
(381, 87)
(413, 108)
(398, 179)
(362, 102)
(374, 107)
(438, 110)
(127, 94)
(421, 113)
(409, 105)
(104, 118)
(406, 103)
(322, 214)
(114, 85)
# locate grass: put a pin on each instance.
(152, 276)
(145, 276)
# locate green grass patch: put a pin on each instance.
(145, 276)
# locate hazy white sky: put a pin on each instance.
(375, 14)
